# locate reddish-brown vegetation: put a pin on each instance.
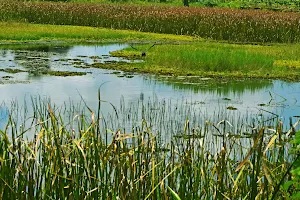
(216, 23)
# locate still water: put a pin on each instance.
(248, 97)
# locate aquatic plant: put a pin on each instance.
(150, 150)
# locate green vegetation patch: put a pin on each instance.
(12, 71)
(292, 64)
(208, 59)
(130, 55)
(64, 73)
(52, 73)
(12, 31)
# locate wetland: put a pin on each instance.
(88, 112)
(72, 72)
(65, 98)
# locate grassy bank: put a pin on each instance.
(158, 152)
(20, 32)
(193, 57)
(208, 59)
(215, 23)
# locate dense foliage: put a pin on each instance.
(216, 23)
(268, 4)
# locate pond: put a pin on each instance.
(242, 98)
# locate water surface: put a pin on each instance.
(245, 98)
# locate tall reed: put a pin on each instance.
(140, 151)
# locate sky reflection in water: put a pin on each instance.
(248, 96)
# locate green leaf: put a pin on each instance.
(296, 196)
(296, 171)
(287, 185)
(174, 194)
(158, 193)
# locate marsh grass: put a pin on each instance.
(209, 59)
(218, 59)
(144, 150)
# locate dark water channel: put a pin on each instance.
(242, 98)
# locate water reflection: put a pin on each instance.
(249, 97)
(220, 86)
(62, 50)
(38, 59)
(4, 114)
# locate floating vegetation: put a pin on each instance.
(231, 108)
(12, 71)
(95, 57)
(7, 77)
(52, 73)
(64, 73)
(116, 72)
(111, 65)
(38, 60)
(8, 81)
(106, 56)
(110, 61)
(227, 99)
(75, 60)
(261, 104)
(129, 76)
(78, 62)
(85, 66)
(64, 60)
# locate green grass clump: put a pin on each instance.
(153, 153)
(208, 59)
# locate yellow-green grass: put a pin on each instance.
(14, 31)
(219, 60)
